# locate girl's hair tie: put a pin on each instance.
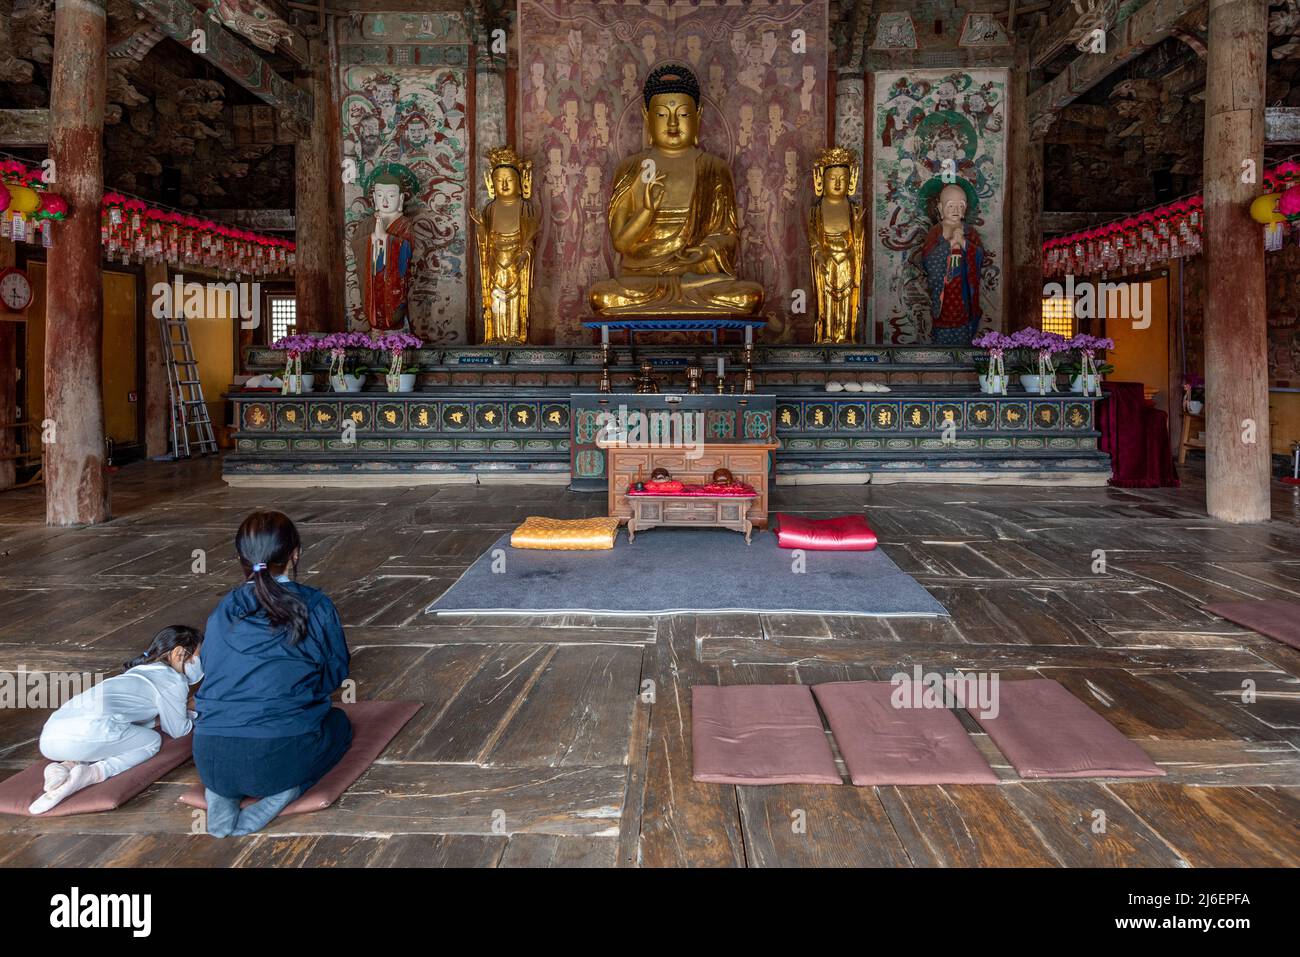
(259, 566)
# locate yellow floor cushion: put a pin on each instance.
(581, 534)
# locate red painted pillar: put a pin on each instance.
(1238, 462)
(76, 488)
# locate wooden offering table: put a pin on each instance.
(748, 462)
(693, 511)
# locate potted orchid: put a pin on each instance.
(294, 347)
(1085, 372)
(395, 344)
(1040, 348)
(994, 377)
(338, 344)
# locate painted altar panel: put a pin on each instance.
(922, 118)
(404, 93)
(764, 110)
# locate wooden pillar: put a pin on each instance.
(1024, 289)
(157, 397)
(315, 189)
(8, 382)
(1238, 463)
(76, 488)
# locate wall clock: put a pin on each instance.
(15, 290)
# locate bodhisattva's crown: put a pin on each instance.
(836, 156)
(506, 156)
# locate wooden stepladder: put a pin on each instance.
(191, 426)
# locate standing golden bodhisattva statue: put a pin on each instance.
(506, 232)
(672, 217)
(836, 240)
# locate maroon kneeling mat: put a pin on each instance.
(885, 744)
(18, 792)
(1046, 732)
(1279, 620)
(759, 734)
(374, 724)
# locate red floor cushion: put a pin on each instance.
(843, 533)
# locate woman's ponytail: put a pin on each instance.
(267, 542)
(171, 637)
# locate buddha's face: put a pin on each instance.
(673, 121)
(505, 183)
(835, 183)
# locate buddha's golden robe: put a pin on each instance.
(654, 277)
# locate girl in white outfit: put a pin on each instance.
(109, 728)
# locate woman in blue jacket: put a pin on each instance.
(274, 653)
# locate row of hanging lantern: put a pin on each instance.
(28, 209)
(1131, 244)
(1172, 231)
(133, 230)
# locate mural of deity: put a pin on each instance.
(936, 260)
(410, 123)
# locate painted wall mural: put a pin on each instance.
(404, 93)
(764, 110)
(923, 120)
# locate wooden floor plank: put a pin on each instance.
(685, 823)
(813, 825)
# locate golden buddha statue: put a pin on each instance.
(836, 240)
(506, 231)
(672, 217)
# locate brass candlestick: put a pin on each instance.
(722, 383)
(693, 376)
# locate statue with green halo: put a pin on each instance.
(952, 256)
(383, 250)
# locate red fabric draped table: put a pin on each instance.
(709, 506)
(1136, 436)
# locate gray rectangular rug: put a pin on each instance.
(677, 570)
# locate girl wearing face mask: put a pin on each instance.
(109, 728)
(274, 654)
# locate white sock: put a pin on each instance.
(81, 776)
(56, 773)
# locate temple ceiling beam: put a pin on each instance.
(179, 19)
(1125, 41)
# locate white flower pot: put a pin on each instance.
(401, 383)
(993, 384)
(1195, 407)
(1089, 387)
(306, 382)
(1032, 383)
(347, 383)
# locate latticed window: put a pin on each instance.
(1058, 315)
(284, 315)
